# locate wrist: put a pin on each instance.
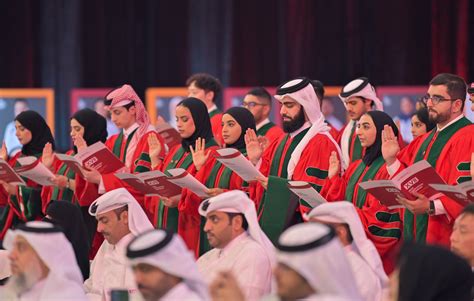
(431, 208)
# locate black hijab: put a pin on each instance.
(380, 119)
(95, 126)
(201, 119)
(432, 273)
(69, 217)
(246, 121)
(40, 132)
(424, 117)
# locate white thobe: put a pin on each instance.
(247, 261)
(109, 270)
(181, 292)
(367, 281)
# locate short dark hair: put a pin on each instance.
(456, 86)
(245, 224)
(119, 211)
(129, 105)
(260, 92)
(206, 82)
(318, 87)
(469, 209)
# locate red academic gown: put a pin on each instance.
(140, 163)
(21, 207)
(214, 175)
(312, 167)
(382, 225)
(449, 152)
(271, 131)
(216, 124)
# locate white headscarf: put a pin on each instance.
(52, 246)
(138, 222)
(366, 91)
(236, 201)
(314, 251)
(345, 212)
(167, 252)
(308, 99)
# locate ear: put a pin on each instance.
(210, 96)
(457, 105)
(237, 222)
(124, 217)
(133, 110)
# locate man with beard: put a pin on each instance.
(42, 263)
(164, 268)
(447, 148)
(302, 154)
(359, 97)
(119, 219)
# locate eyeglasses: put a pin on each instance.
(252, 104)
(435, 99)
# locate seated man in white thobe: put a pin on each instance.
(362, 255)
(164, 268)
(43, 265)
(119, 218)
(240, 246)
(311, 265)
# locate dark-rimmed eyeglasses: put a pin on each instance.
(435, 99)
(252, 104)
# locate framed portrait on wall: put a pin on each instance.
(400, 103)
(15, 101)
(163, 101)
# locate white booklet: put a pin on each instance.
(184, 179)
(307, 193)
(9, 175)
(151, 183)
(233, 159)
(33, 169)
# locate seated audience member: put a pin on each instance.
(164, 268)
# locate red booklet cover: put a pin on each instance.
(414, 179)
(151, 183)
(97, 156)
(169, 133)
(8, 175)
(462, 193)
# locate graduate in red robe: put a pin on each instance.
(208, 89)
(258, 101)
(382, 225)
(302, 154)
(194, 154)
(87, 128)
(217, 176)
(448, 148)
(131, 145)
(23, 203)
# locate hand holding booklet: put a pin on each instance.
(414, 179)
(233, 159)
(8, 175)
(306, 193)
(33, 169)
(184, 179)
(151, 183)
(96, 156)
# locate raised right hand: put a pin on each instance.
(4, 152)
(390, 146)
(334, 165)
(254, 148)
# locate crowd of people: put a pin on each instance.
(92, 236)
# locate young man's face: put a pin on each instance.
(357, 106)
(258, 107)
(218, 228)
(122, 117)
(152, 282)
(113, 227)
(292, 114)
(201, 94)
(441, 112)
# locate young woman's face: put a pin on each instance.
(23, 134)
(77, 130)
(366, 131)
(185, 122)
(231, 129)
(418, 128)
